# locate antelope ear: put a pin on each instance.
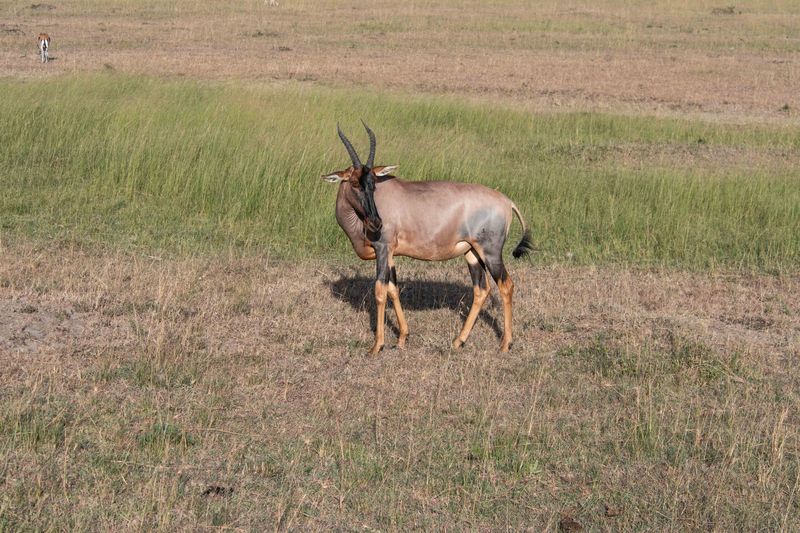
(336, 177)
(384, 171)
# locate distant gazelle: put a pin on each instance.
(44, 45)
(430, 220)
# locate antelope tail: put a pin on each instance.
(525, 244)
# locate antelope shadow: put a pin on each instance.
(415, 295)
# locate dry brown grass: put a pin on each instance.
(140, 393)
(684, 58)
(233, 392)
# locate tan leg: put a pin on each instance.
(394, 293)
(398, 311)
(506, 287)
(478, 298)
(380, 300)
(480, 291)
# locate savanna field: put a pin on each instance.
(183, 325)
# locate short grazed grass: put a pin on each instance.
(665, 57)
(668, 397)
(183, 167)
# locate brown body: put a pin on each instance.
(384, 216)
(428, 220)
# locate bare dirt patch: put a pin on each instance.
(27, 328)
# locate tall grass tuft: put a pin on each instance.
(182, 166)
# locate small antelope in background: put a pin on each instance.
(44, 45)
(430, 220)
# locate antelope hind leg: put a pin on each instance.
(506, 287)
(480, 290)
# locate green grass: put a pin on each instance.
(180, 167)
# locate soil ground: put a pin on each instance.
(668, 58)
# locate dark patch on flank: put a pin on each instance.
(490, 226)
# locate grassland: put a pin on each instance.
(668, 57)
(224, 392)
(182, 323)
(179, 166)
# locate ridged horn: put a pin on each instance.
(348, 145)
(372, 144)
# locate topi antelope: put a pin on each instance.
(44, 45)
(436, 220)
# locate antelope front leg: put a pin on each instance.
(398, 311)
(380, 324)
(394, 293)
(381, 290)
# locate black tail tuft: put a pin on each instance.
(524, 246)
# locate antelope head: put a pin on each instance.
(361, 179)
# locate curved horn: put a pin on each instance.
(350, 150)
(372, 144)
